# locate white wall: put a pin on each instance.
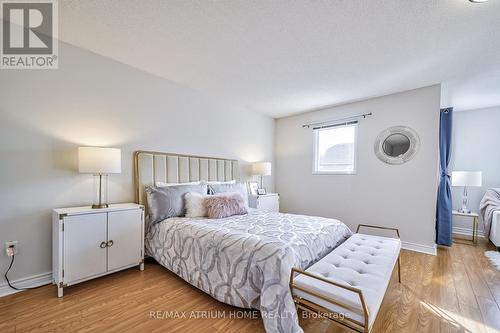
(390, 195)
(91, 100)
(476, 136)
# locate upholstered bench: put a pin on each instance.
(348, 285)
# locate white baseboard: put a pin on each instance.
(432, 250)
(467, 232)
(27, 282)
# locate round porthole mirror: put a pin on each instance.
(397, 145)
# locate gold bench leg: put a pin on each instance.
(399, 268)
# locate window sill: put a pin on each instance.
(334, 172)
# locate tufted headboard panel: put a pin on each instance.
(152, 167)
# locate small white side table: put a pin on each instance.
(475, 223)
(268, 202)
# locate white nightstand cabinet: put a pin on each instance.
(88, 243)
(269, 202)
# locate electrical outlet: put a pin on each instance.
(11, 248)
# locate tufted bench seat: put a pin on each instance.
(348, 285)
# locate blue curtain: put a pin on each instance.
(443, 209)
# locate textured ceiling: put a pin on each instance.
(285, 57)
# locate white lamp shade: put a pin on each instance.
(99, 160)
(466, 178)
(262, 168)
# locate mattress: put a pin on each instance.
(245, 260)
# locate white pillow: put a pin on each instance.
(218, 183)
(162, 184)
(195, 205)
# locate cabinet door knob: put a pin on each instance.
(110, 243)
(102, 245)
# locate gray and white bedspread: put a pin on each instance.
(246, 260)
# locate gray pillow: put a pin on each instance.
(165, 202)
(233, 188)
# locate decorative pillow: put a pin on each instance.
(212, 182)
(232, 188)
(210, 191)
(163, 184)
(195, 204)
(165, 202)
(225, 204)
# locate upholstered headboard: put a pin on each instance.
(151, 167)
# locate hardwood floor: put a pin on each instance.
(455, 291)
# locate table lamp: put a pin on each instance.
(261, 169)
(465, 179)
(100, 162)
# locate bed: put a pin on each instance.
(243, 260)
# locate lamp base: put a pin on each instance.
(100, 191)
(100, 206)
(464, 209)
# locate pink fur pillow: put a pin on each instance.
(225, 204)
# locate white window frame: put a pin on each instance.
(315, 170)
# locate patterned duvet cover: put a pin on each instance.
(245, 260)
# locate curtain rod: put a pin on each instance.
(334, 121)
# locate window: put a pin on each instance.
(335, 149)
